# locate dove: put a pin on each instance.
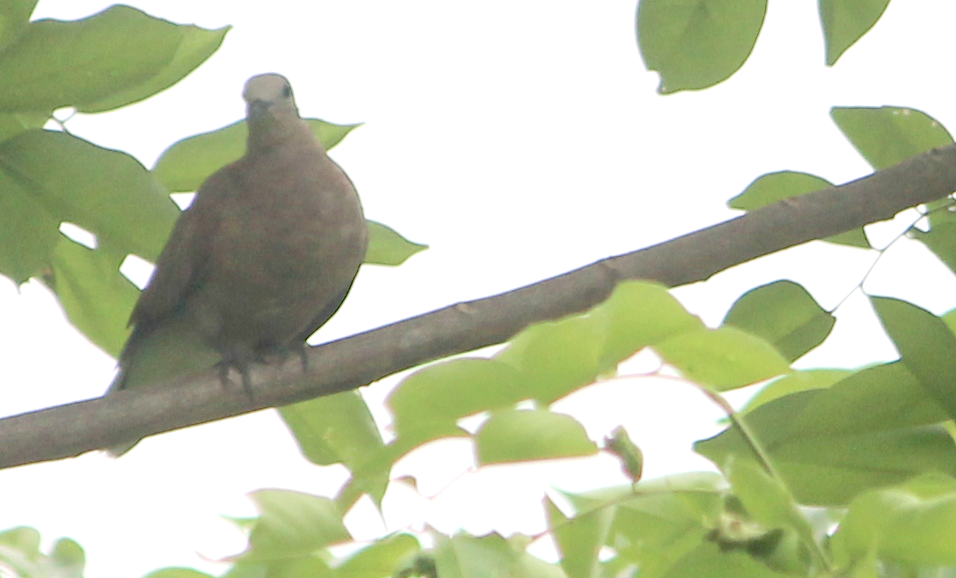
(263, 257)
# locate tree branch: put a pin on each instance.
(72, 429)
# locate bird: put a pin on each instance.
(263, 257)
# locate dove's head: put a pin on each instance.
(270, 107)
(269, 93)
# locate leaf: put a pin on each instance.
(338, 429)
(20, 555)
(657, 522)
(890, 393)
(697, 43)
(195, 46)
(804, 380)
(105, 192)
(20, 548)
(941, 238)
(186, 164)
(14, 20)
(12, 124)
(28, 233)
(927, 347)
(88, 63)
(709, 561)
(828, 450)
(517, 436)
(723, 358)
(913, 523)
(68, 559)
(889, 135)
(774, 187)
(624, 449)
(95, 296)
(383, 558)
(580, 539)
(429, 402)
(557, 357)
(766, 499)
(845, 22)
(177, 573)
(470, 557)
(293, 524)
(638, 314)
(785, 315)
(387, 247)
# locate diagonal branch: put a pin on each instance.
(72, 429)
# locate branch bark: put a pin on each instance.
(72, 429)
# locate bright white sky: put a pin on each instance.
(519, 140)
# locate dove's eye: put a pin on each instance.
(286, 91)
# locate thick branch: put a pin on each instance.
(346, 364)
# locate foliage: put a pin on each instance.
(825, 473)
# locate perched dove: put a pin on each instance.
(263, 258)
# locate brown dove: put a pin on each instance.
(263, 258)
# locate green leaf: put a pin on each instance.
(105, 192)
(20, 549)
(517, 436)
(68, 559)
(889, 135)
(913, 523)
(195, 46)
(387, 247)
(177, 573)
(87, 63)
(14, 20)
(428, 404)
(28, 232)
(20, 556)
(828, 450)
(638, 314)
(797, 381)
(378, 464)
(93, 293)
(844, 22)
(304, 565)
(293, 524)
(709, 561)
(431, 400)
(774, 187)
(470, 557)
(580, 539)
(12, 124)
(383, 558)
(785, 315)
(723, 358)
(766, 499)
(892, 396)
(624, 449)
(337, 429)
(556, 357)
(949, 318)
(697, 43)
(186, 164)
(941, 238)
(927, 347)
(657, 522)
